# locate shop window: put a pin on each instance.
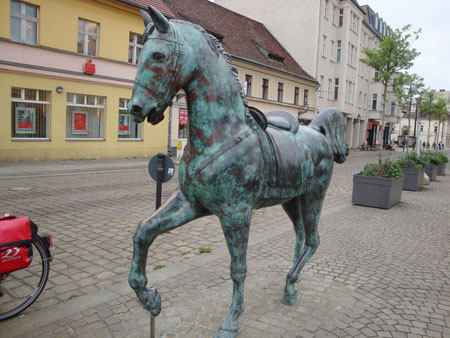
(87, 37)
(85, 117)
(128, 129)
(30, 113)
(24, 22)
(182, 124)
(135, 48)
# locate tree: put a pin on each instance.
(440, 113)
(435, 108)
(393, 54)
(406, 88)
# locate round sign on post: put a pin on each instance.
(167, 167)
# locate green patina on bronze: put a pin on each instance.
(231, 165)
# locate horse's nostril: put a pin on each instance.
(135, 109)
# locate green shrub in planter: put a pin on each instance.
(434, 160)
(378, 185)
(412, 170)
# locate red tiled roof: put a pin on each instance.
(243, 37)
(160, 5)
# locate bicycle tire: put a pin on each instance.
(19, 289)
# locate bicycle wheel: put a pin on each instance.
(19, 289)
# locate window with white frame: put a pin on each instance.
(334, 15)
(87, 37)
(392, 108)
(351, 54)
(355, 23)
(331, 50)
(347, 90)
(30, 113)
(435, 129)
(85, 117)
(374, 101)
(135, 48)
(325, 11)
(128, 129)
(24, 22)
(421, 128)
(336, 89)
(341, 17)
(330, 85)
(322, 79)
(338, 51)
(324, 45)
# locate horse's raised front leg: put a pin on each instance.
(175, 212)
(310, 208)
(236, 226)
(292, 209)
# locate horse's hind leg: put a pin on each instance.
(236, 228)
(292, 208)
(311, 206)
(175, 212)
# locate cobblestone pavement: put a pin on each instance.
(377, 272)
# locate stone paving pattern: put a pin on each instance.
(383, 273)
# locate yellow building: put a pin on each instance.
(66, 72)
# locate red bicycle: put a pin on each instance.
(24, 264)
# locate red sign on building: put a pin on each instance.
(183, 116)
(89, 67)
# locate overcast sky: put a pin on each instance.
(433, 16)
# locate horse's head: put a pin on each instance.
(159, 73)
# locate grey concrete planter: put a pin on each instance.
(412, 178)
(431, 171)
(441, 169)
(378, 192)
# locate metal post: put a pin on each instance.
(159, 178)
(152, 326)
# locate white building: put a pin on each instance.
(327, 38)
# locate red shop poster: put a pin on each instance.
(79, 122)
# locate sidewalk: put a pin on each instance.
(376, 273)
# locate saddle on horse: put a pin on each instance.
(283, 160)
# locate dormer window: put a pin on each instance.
(276, 58)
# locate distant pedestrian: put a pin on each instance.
(423, 144)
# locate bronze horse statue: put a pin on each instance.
(236, 160)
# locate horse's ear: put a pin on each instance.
(161, 23)
(147, 19)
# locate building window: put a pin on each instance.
(355, 23)
(374, 102)
(85, 117)
(128, 128)
(435, 129)
(24, 22)
(334, 15)
(305, 97)
(87, 37)
(421, 128)
(325, 11)
(135, 48)
(392, 108)
(324, 45)
(296, 93)
(338, 51)
(30, 113)
(331, 50)
(265, 88)
(280, 92)
(330, 84)
(322, 79)
(341, 17)
(336, 88)
(249, 80)
(351, 55)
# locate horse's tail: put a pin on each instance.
(331, 123)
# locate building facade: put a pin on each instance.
(329, 38)
(67, 70)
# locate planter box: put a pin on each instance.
(441, 169)
(431, 171)
(412, 178)
(378, 192)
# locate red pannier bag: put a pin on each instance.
(16, 236)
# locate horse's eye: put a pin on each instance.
(158, 57)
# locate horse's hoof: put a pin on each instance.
(290, 298)
(151, 300)
(225, 334)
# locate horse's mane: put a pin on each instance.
(218, 49)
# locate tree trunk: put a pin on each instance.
(382, 115)
(429, 126)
